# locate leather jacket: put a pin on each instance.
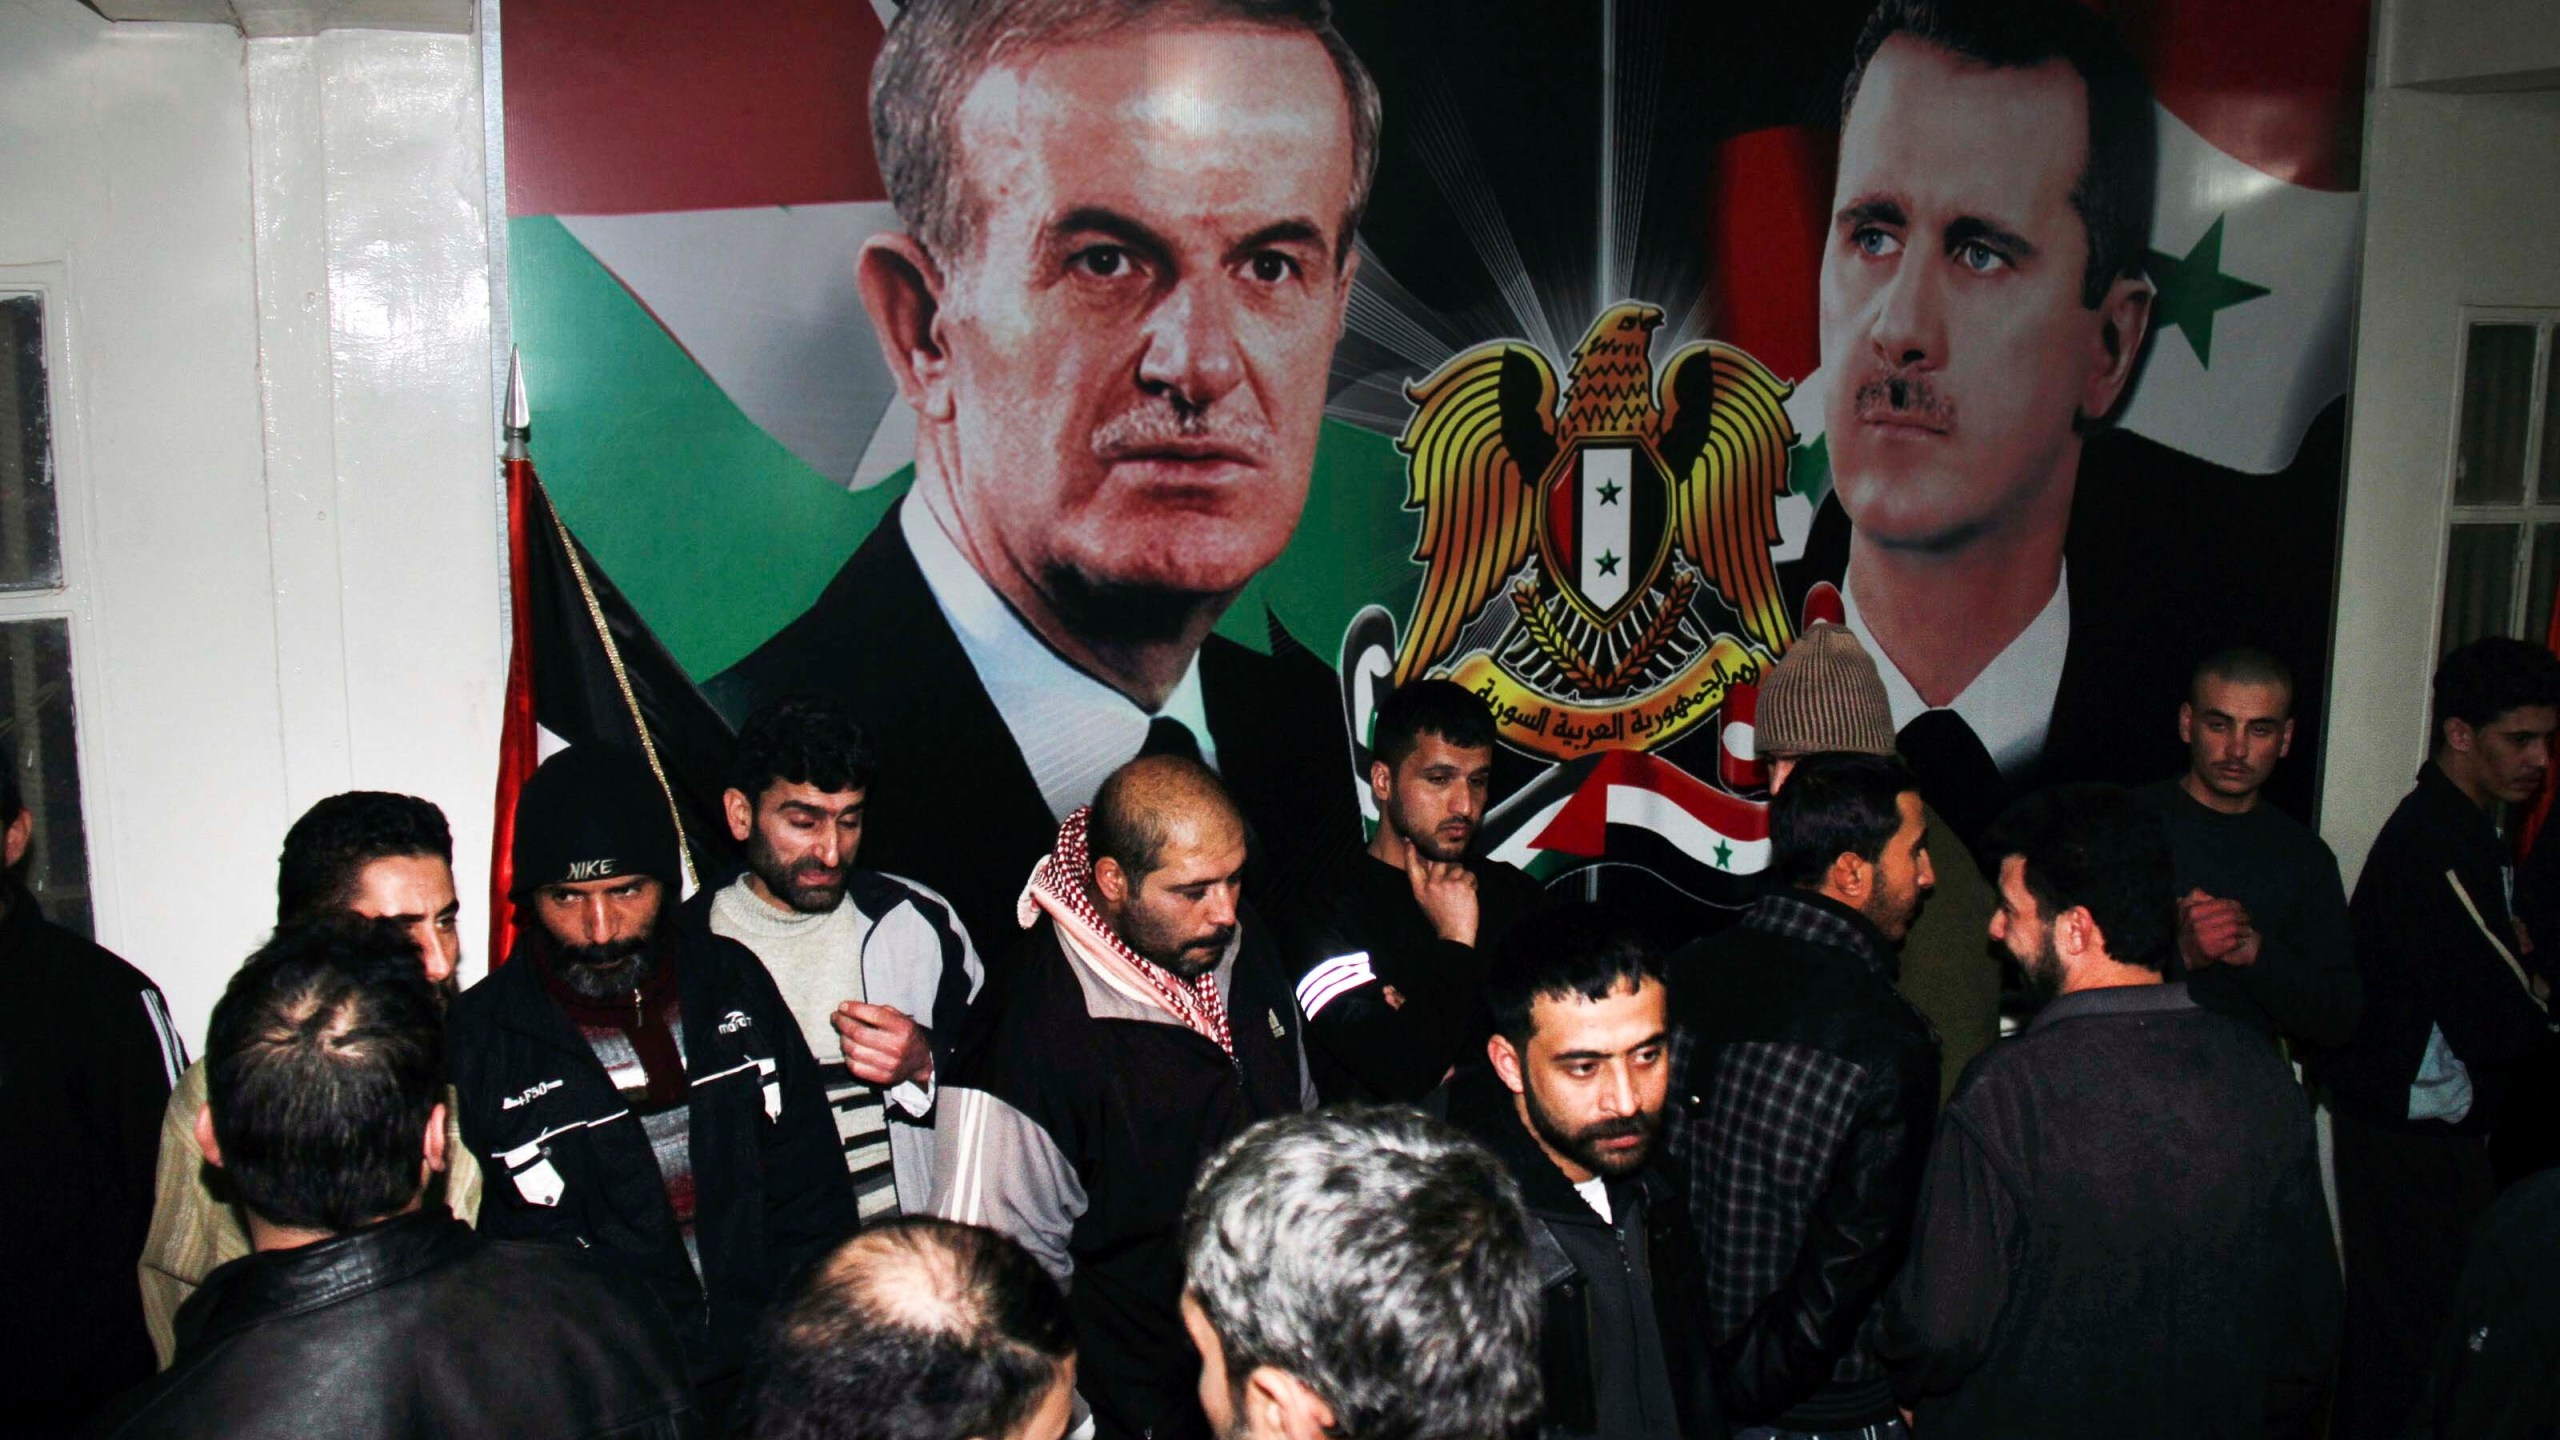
(417, 1327)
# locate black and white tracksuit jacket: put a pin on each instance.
(567, 1162)
(1074, 1120)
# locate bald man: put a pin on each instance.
(1148, 1020)
(920, 1327)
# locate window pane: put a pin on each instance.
(2479, 584)
(30, 545)
(2544, 575)
(2497, 404)
(2550, 485)
(37, 740)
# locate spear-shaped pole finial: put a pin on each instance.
(519, 411)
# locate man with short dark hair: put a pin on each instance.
(1808, 1087)
(2262, 917)
(921, 1329)
(2449, 1007)
(1146, 1020)
(2120, 1231)
(1360, 1272)
(874, 965)
(1392, 955)
(370, 853)
(636, 1085)
(1125, 256)
(366, 1313)
(87, 1059)
(1580, 1074)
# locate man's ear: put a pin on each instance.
(2458, 734)
(2075, 932)
(2284, 741)
(2124, 317)
(204, 1137)
(902, 289)
(1382, 783)
(21, 833)
(1852, 876)
(741, 812)
(1506, 1062)
(434, 1149)
(1111, 880)
(2186, 725)
(1278, 1403)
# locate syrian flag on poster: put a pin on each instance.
(583, 670)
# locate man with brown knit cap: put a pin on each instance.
(1825, 694)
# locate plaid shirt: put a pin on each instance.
(1766, 1122)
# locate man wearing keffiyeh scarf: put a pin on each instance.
(1146, 1020)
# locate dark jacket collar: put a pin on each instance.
(279, 1284)
(1486, 1110)
(2447, 805)
(1818, 919)
(2114, 1000)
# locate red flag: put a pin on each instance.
(517, 749)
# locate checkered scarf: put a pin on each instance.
(1061, 885)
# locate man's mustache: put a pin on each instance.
(1161, 425)
(1905, 398)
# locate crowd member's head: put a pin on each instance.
(795, 799)
(2497, 702)
(1127, 252)
(1983, 298)
(1582, 1037)
(1431, 765)
(1849, 827)
(596, 861)
(922, 1329)
(2088, 895)
(325, 1081)
(17, 821)
(1823, 695)
(2237, 722)
(1168, 856)
(1358, 1273)
(382, 856)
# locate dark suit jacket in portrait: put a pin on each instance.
(954, 804)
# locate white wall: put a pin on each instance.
(2462, 196)
(269, 268)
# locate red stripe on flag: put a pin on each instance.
(617, 107)
(518, 751)
(1770, 215)
(1582, 826)
(2275, 84)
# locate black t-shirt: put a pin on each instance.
(1368, 937)
(2304, 983)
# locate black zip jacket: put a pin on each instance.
(2497, 1366)
(417, 1329)
(2437, 954)
(1074, 1119)
(87, 1059)
(1805, 1088)
(568, 1164)
(1620, 1348)
(1367, 934)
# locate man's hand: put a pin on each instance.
(2215, 931)
(1446, 893)
(882, 1046)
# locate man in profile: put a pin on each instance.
(2120, 1230)
(1360, 1273)
(365, 1312)
(1147, 1019)
(366, 853)
(2262, 918)
(1983, 309)
(1392, 955)
(921, 1329)
(1128, 247)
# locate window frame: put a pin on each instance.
(2533, 509)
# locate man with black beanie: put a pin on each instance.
(638, 1088)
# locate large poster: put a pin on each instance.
(1161, 375)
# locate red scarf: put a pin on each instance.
(1062, 886)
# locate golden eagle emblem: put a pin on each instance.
(1567, 545)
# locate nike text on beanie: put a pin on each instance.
(592, 814)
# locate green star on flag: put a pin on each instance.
(1608, 563)
(1724, 855)
(2192, 289)
(1609, 492)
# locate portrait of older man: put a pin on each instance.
(1127, 247)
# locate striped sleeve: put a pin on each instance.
(995, 1166)
(164, 1031)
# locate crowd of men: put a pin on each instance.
(1140, 1097)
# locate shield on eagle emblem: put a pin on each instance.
(1604, 524)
